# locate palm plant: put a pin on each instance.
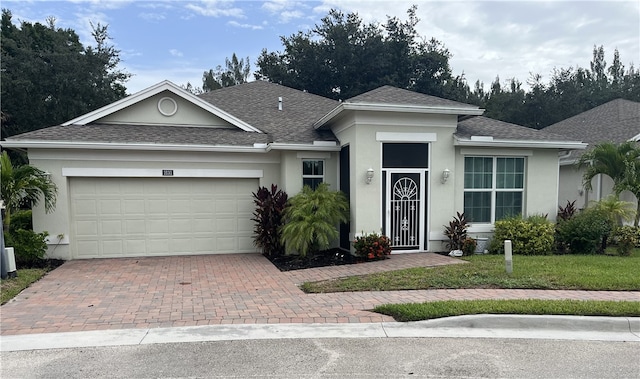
(24, 186)
(312, 217)
(618, 210)
(620, 162)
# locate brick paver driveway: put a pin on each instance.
(218, 289)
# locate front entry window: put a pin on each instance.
(493, 188)
(312, 173)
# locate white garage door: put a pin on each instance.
(132, 217)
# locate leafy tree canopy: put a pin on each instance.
(343, 57)
(569, 91)
(49, 77)
(236, 71)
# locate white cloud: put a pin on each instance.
(176, 53)
(245, 26)
(150, 16)
(145, 76)
(216, 8)
(286, 10)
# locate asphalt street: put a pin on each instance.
(336, 358)
(480, 346)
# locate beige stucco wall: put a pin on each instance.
(53, 161)
(570, 188)
(291, 169)
(359, 131)
(146, 112)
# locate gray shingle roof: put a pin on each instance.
(484, 126)
(179, 135)
(257, 104)
(616, 121)
(393, 95)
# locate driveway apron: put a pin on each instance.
(174, 291)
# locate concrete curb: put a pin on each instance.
(472, 326)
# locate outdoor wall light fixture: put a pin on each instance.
(369, 175)
(445, 175)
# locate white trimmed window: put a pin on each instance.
(493, 188)
(312, 172)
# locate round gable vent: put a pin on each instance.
(167, 106)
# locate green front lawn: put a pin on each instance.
(584, 272)
(9, 288)
(438, 309)
(574, 272)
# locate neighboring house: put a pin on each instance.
(164, 172)
(616, 121)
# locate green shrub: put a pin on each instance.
(627, 237)
(312, 218)
(372, 247)
(469, 246)
(21, 220)
(532, 236)
(584, 232)
(268, 219)
(29, 247)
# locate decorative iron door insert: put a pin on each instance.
(405, 205)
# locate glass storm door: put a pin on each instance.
(405, 210)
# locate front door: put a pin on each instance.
(404, 194)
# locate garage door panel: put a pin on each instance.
(86, 207)
(112, 248)
(155, 206)
(158, 246)
(160, 216)
(113, 227)
(134, 227)
(133, 207)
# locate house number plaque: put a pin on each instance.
(167, 172)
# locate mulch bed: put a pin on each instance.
(331, 257)
(47, 263)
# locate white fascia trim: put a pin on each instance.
(259, 148)
(519, 153)
(635, 138)
(313, 155)
(522, 143)
(154, 90)
(302, 147)
(406, 108)
(158, 173)
(406, 137)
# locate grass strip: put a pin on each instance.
(570, 272)
(10, 287)
(448, 308)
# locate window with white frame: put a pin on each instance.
(493, 188)
(312, 173)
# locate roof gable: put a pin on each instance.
(393, 95)
(392, 99)
(165, 98)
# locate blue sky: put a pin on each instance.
(179, 40)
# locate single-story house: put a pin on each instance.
(616, 121)
(165, 172)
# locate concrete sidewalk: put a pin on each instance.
(625, 329)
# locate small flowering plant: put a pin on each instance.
(372, 247)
